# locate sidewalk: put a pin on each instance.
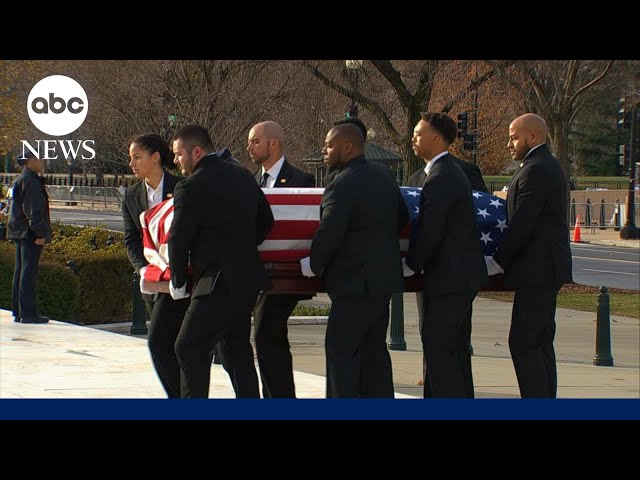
(60, 360)
(605, 237)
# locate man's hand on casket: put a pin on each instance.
(178, 293)
(406, 270)
(142, 282)
(492, 266)
(305, 266)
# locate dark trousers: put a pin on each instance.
(24, 279)
(533, 329)
(467, 364)
(271, 314)
(445, 336)
(209, 319)
(166, 320)
(236, 355)
(358, 362)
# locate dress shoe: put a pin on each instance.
(38, 319)
(16, 319)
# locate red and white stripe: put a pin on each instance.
(296, 212)
(155, 224)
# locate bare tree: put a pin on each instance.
(396, 93)
(554, 89)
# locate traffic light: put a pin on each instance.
(623, 154)
(463, 124)
(624, 117)
(470, 141)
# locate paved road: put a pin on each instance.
(111, 220)
(596, 265)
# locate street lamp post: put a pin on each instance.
(630, 230)
(353, 66)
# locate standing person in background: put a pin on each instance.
(29, 228)
(271, 313)
(150, 158)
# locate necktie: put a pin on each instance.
(265, 177)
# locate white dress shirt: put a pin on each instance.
(154, 196)
(273, 172)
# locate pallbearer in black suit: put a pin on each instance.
(220, 217)
(417, 179)
(535, 254)
(272, 312)
(448, 250)
(356, 252)
(150, 157)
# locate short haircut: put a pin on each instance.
(443, 124)
(353, 121)
(152, 143)
(194, 135)
(350, 133)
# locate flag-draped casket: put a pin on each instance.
(297, 214)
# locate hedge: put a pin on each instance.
(100, 290)
(57, 288)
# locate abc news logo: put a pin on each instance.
(58, 105)
(41, 105)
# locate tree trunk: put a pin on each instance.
(560, 144)
(411, 162)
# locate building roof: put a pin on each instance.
(371, 151)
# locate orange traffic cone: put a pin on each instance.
(576, 231)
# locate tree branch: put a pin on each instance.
(475, 84)
(592, 82)
(395, 80)
(370, 105)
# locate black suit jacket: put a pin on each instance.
(289, 176)
(133, 204)
(447, 246)
(471, 171)
(535, 248)
(220, 216)
(356, 249)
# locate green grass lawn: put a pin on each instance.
(584, 298)
(506, 178)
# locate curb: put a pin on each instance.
(125, 327)
(614, 243)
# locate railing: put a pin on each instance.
(85, 196)
(600, 215)
(494, 186)
(90, 180)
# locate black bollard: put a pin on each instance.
(603, 356)
(139, 325)
(603, 216)
(396, 341)
(618, 217)
(587, 214)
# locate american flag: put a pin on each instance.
(297, 215)
(490, 214)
